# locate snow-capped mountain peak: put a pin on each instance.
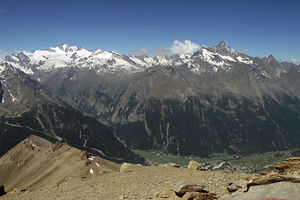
(63, 47)
(224, 48)
(211, 59)
(223, 44)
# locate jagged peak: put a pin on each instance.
(97, 50)
(66, 48)
(63, 47)
(269, 58)
(224, 46)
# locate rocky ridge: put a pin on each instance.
(27, 108)
(35, 163)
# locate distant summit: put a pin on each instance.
(224, 49)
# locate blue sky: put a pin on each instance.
(257, 27)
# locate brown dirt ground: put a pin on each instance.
(135, 182)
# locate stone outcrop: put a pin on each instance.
(193, 192)
(274, 191)
(125, 167)
(290, 164)
(283, 183)
(128, 167)
(195, 165)
(288, 170)
(189, 188)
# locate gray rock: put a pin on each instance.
(283, 190)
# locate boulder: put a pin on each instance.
(126, 167)
(181, 188)
(170, 165)
(276, 191)
(2, 190)
(195, 165)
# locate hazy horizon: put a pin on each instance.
(257, 28)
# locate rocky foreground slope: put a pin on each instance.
(35, 163)
(58, 171)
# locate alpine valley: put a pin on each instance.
(215, 100)
(26, 109)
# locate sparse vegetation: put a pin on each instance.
(254, 162)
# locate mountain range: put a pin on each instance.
(214, 100)
(26, 108)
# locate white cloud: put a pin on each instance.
(295, 61)
(185, 47)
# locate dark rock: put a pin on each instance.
(57, 146)
(88, 162)
(2, 190)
